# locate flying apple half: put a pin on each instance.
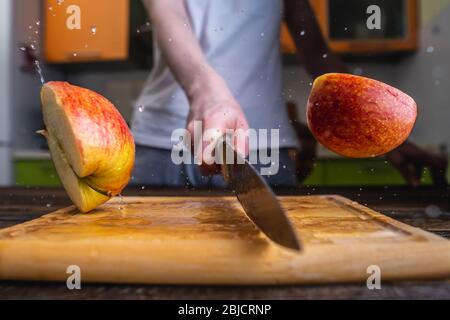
(358, 117)
(89, 141)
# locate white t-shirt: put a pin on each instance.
(240, 39)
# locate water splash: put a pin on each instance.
(39, 71)
(121, 202)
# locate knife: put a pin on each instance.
(257, 199)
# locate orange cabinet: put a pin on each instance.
(86, 30)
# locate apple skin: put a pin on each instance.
(358, 117)
(90, 143)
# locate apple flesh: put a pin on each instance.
(89, 141)
(359, 117)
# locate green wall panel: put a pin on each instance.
(328, 172)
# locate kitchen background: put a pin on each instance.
(423, 72)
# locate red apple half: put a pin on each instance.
(359, 117)
(89, 141)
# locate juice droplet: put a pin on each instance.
(93, 30)
(121, 202)
(39, 71)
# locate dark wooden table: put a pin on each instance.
(426, 207)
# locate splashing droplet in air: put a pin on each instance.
(32, 47)
(39, 71)
(302, 33)
(93, 30)
(141, 108)
(23, 49)
(59, 2)
(121, 202)
(38, 23)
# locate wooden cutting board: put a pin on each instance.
(209, 240)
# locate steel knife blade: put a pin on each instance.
(257, 199)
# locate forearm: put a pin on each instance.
(308, 38)
(180, 48)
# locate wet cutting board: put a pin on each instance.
(208, 240)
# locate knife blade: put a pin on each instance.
(257, 199)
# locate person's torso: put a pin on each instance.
(240, 39)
